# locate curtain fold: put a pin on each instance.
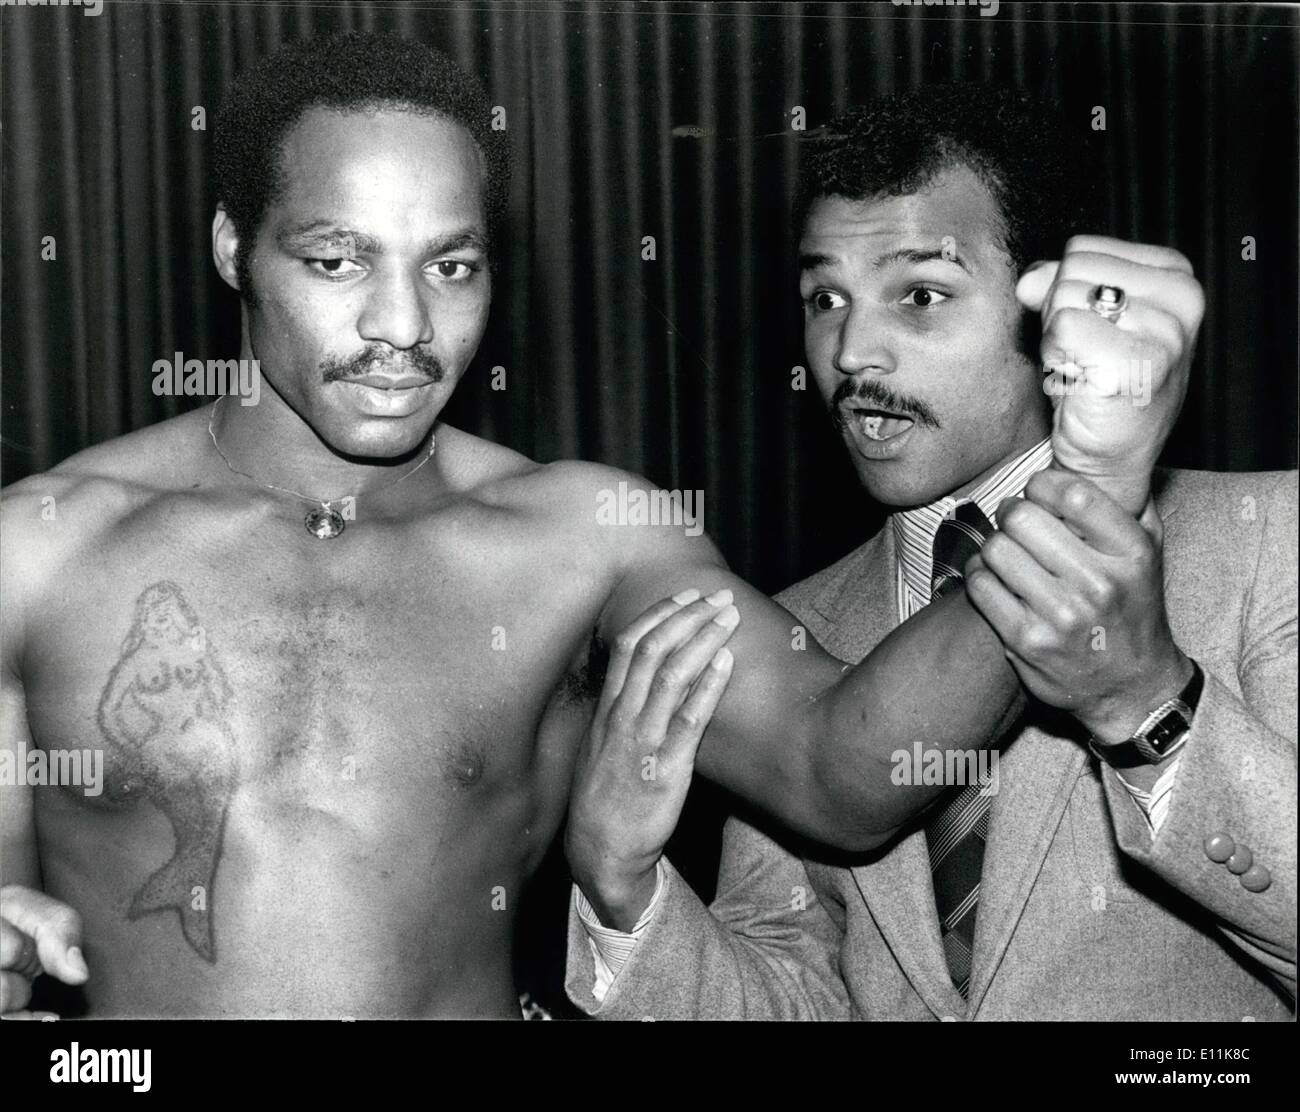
(627, 121)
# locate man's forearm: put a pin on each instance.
(940, 679)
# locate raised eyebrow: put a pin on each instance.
(814, 262)
(918, 255)
(468, 239)
(318, 235)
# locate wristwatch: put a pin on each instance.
(1162, 733)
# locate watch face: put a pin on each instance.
(1162, 732)
(1170, 727)
(1163, 736)
(1151, 744)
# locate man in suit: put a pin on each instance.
(1132, 855)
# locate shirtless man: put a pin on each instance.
(332, 762)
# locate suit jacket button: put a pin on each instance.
(1241, 860)
(1256, 878)
(1219, 847)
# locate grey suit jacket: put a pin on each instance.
(1081, 915)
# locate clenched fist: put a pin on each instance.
(1066, 562)
(1117, 386)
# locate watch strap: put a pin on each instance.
(1163, 732)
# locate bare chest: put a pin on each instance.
(429, 670)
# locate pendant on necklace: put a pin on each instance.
(324, 524)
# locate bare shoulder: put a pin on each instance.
(47, 519)
(566, 491)
(612, 515)
(505, 479)
(163, 456)
(43, 520)
(621, 519)
(474, 465)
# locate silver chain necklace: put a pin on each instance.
(323, 522)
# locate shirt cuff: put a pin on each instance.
(611, 948)
(1154, 804)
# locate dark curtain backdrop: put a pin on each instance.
(628, 120)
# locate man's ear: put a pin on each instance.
(225, 247)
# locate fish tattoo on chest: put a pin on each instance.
(164, 714)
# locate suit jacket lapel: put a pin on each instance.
(899, 894)
(861, 605)
(861, 609)
(1037, 775)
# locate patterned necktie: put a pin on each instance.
(959, 828)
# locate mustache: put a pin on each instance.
(871, 393)
(376, 359)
